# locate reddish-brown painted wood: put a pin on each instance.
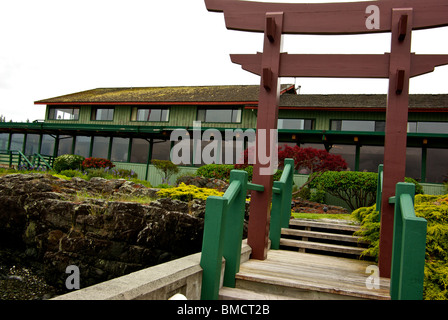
(327, 18)
(339, 65)
(396, 132)
(258, 228)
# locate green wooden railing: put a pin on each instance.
(223, 227)
(409, 242)
(17, 158)
(409, 247)
(281, 204)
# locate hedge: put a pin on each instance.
(357, 189)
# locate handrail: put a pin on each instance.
(223, 234)
(379, 189)
(223, 227)
(21, 156)
(41, 158)
(409, 247)
(281, 204)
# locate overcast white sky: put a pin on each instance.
(56, 47)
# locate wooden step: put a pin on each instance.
(321, 246)
(322, 235)
(242, 294)
(345, 226)
(309, 276)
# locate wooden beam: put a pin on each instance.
(339, 65)
(328, 18)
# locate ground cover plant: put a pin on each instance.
(435, 210)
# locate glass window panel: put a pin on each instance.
(432, 127)
(65, 145)
(100, 147)
(413, 163)
(103, 114)
(17, 141)
(353, 125)
(82, 146)
(120, 149)
(220, 115)
(47, 147)
(139, 151)
(436, 165)
(292, 124)
(4, 137)
(161, 150)
(371, 157)
(347, 152)
(412, 126)
(63, 114)
(32, 144)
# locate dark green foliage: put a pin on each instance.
(166, 169)
(67, 162)
(222, 171)
(357, 189)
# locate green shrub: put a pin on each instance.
(71, 173)
(222, 171)
(435, 210)
(188, 193)
(215, 171)
(357, 189)
(67, 162)
(166, 168)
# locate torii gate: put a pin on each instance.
(399, 17)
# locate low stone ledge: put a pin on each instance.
(159, 282)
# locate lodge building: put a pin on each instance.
(131, 126)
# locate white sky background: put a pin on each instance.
(50, 48)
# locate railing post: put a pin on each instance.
(233, 233)
(275, 228)
(281, 204)
(379, 189)
(287, 194)
(409, 247)
(212, 247)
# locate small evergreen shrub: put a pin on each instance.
(357, 189)
(166, 169)
(188, 193)
(67, 162)
(222, 171)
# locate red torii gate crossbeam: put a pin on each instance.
(399, 17)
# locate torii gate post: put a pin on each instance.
(258, 229)
(396, 129)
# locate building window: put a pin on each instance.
(100, 147)
(120, 149)
(150, 114)
(428, 127)
(436, 168)
(160, 149)
(232, 115)
(65, 145)
(139, 150)
(17, 140)
(69, 113)
(102, 114)
(82, 146)
(358, 125)
(32, 144)
(47, 147)
(295, 124)
(371, 157)
(4, 138)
